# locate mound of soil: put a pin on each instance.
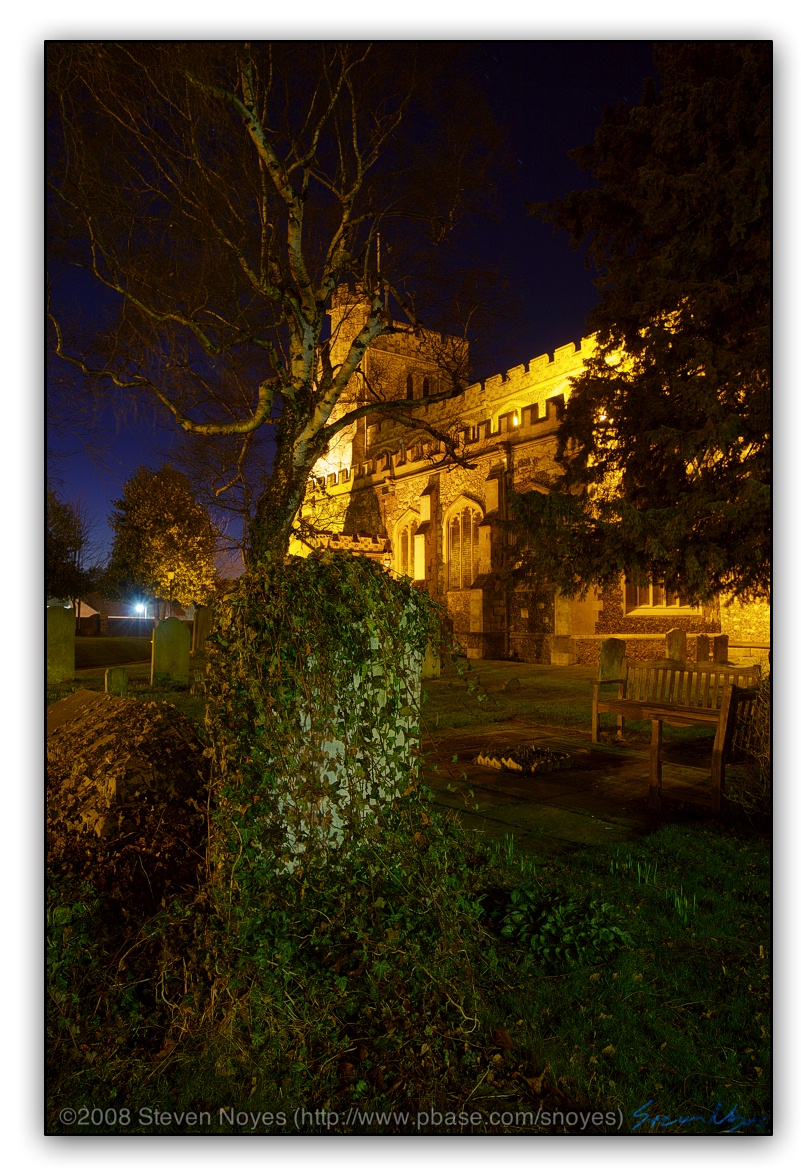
(127, 788)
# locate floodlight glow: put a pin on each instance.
(140, 608)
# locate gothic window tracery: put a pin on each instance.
(462, 543)
(404, 548)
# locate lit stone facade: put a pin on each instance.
(389, 491)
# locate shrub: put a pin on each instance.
(561, 931)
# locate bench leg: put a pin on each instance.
(728, 714)
(655, 778)
(620, 725)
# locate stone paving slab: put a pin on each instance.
(603, 799)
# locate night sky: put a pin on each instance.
(550, 95)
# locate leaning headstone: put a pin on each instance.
(201, 627)
(720, 648)
(702, 648)
(676, 645)
(169, 659)
(512, 684)
(117, 681)
(610, 666)
(60, 644)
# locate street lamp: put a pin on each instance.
(171, 577)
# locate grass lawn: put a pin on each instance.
(554, 697)
(679, 1021)
(93, 655)
(675, 1025)
(101, 652)
(668, 1033)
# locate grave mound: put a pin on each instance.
(127, 787)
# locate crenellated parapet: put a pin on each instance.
(540, 379)
(399, 455)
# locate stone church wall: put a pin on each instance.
(381, 473)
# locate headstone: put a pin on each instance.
(720, 648)
(676, 645)
(60, 644)
(702, 648)
(170, 651)
(117, 681)
(512, 684)
(610, 666)
(201, 627)
(432, 666)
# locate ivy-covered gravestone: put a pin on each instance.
(313, 687)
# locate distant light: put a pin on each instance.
(140, 608)
(515, 420)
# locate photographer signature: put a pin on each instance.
(737, 1121)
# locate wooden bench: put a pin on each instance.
(679, 693)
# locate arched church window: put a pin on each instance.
(426, 387)
(462, 536)
(409, 386)
(404, 549)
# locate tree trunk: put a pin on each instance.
(271, 529)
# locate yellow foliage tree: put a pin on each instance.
(160, 528)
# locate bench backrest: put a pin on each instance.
(681, 683)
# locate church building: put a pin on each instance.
(391, 491)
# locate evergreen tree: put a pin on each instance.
(665, 451)
(159, 527)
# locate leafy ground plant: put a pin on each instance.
(561, 931)
(387, 993)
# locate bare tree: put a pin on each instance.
(71, 552)
(219, 195)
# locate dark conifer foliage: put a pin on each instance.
(665, 453)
